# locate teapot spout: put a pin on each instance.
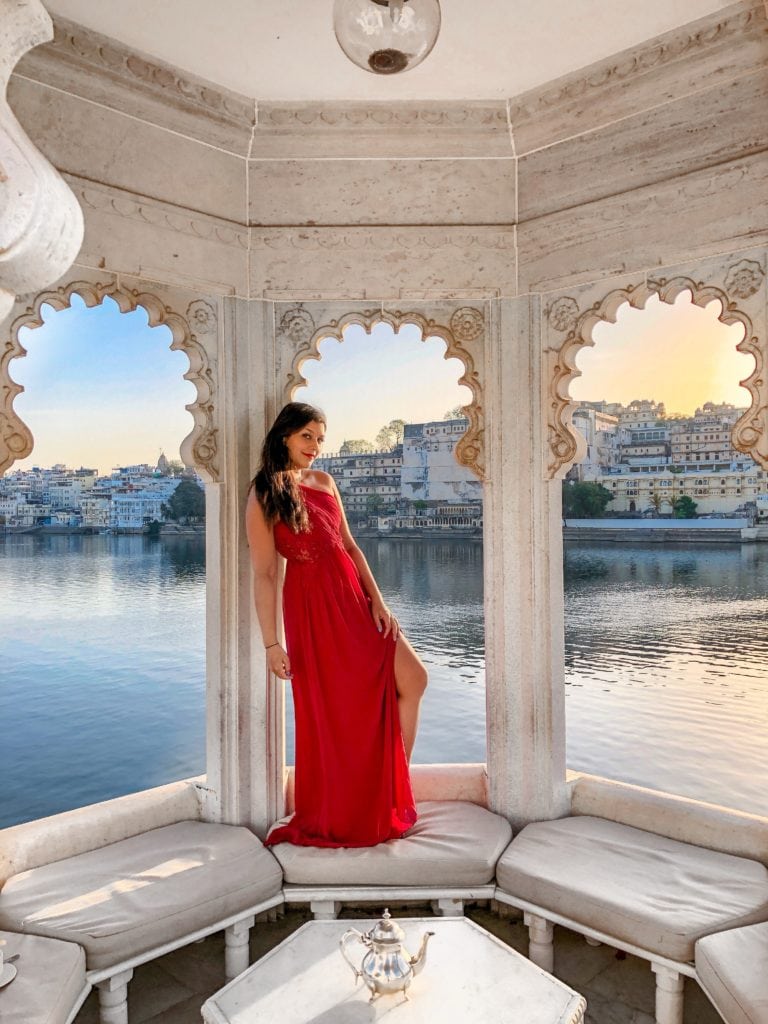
(418, 961)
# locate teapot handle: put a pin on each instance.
(348, 934)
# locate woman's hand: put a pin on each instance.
(279, 662)
(386, 622)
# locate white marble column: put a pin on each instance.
(245, 754)
(41, 224)
(523, 577)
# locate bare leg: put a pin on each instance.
(411, 681)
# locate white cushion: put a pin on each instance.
(732, 968)
(658, 893)
(49, 981)
(452, 844)
(137, 894)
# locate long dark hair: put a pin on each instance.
(275, 486)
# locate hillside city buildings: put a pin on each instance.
(645, 458)
(129, 499)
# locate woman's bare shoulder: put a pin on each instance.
(318, 479)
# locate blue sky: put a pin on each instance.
(366, 380)
(103, 389)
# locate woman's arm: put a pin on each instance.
(382, 616)
(261, 542)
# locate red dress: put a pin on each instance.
(352, 783)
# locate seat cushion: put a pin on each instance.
(49, 983)
(452, 844)
(137, 894)
(658, 893)
(732, 968)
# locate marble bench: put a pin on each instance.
(448, 857)
(50, 984)
(638, 891)
(130, 901)
(732, 968)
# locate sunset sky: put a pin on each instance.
(680, 355)
(103, 389)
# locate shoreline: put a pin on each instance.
(630, 531)
(654, 532)
(100, 531)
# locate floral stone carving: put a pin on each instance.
(298, 325)
(467, 323)
(202, 317)
(563, 314)
(744, 279)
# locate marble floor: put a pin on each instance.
(619, 989)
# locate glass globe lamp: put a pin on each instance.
(386, 36)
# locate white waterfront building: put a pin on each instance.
(134, 507)
(421, 469)
(715, 493)
(430, 470)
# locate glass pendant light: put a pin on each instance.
(386, 36)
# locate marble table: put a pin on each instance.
(469, 975)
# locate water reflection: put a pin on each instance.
(185, 555)
(102, 684)
(103, 692)
(666, 655)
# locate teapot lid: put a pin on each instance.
(387, 931)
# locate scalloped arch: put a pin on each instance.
(470, 449)
(567, 445)
(199, 448)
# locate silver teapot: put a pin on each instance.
(387, 967)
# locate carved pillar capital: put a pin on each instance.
(41, 224)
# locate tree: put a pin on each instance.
(186, 504)
(390, 435)
(374, 503)
(457, 413)
(684, 507)
(656, 501)
(584, 499)
(356, 447)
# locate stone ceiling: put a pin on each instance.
(286, 50)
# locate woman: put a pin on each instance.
(357, 682)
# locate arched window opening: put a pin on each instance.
(394, 408)
(102, 541)
(665, 590)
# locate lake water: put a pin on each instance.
(102, 668)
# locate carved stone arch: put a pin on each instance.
(749, 434)
(566, 444)
(199, 448)
(463, 337)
